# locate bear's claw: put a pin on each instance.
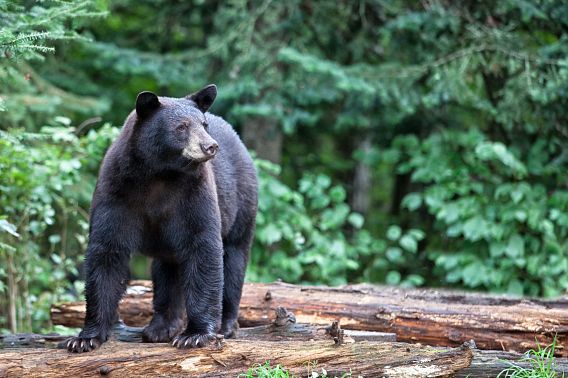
(193, 341)
(82, 344)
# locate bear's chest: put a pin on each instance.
(160, 206)
(161, 201)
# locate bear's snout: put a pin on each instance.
(200, 146)
(209, 149)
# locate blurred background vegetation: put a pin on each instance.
(419, 143)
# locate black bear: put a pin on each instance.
(177, 185)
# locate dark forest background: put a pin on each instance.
(420, 143)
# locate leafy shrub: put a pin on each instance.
(307, 234)
(499, 222)
(47, 179)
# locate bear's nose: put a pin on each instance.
(210, 149)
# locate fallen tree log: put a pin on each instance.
(283, 328)
(369, 359)
(484, 364)
(433, 317)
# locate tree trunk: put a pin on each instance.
(369, 359)
(263, 135)
(12, 294)
(433, 317)
(362, 180)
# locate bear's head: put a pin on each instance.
(173, 132)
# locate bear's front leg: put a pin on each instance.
(202, 281)
(106, 279)
(113, 236)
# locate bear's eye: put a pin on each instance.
(182, 127)
(206, 125)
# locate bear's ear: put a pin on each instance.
(204, 97)
(146, 103)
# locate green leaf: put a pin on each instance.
(356, 220)
(449, 213)
(414, 280)
(8, 227)
(54, 239)
(393, 277)
(337, 194)
(393, 254)
(475, 228)
(394, 232)
(412, 201)
(516, 246)
(473, 274)
(270, 234)
(497, 151)
(496, 249)
(416, 234)
(408, 243)
(515, 287)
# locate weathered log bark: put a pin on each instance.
(31, 340)
(284, 328)
(485, 363)
(432, 317)
(118, 359)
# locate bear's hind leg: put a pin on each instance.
(235, 258)
(235, 262)
(167, 321)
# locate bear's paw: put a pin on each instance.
(196, 340)
(82, 344)
(161, 332)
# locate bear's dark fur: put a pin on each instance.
(177, 185)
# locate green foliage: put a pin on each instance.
(468, 107)
(306, 235)
(28, 31)
(267, 371)
(541, 364)
(391, 257)
(25, 31)
(497, 219)
(448, 118)
(46, 182)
